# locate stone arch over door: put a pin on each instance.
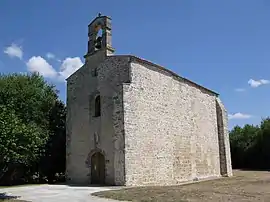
(98, 170)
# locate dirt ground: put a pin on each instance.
(242, 187)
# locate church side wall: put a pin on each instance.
(170, 130)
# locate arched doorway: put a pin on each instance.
(97, 168)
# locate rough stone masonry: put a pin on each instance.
(132, 122)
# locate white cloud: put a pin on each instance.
(239, 116)
(14, 51)
(50, 55)
(256, 83)
(40, 65)
(240, 89)
(69, 66)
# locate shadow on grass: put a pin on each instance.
(87, 185)
(5, 196)
(253, 169)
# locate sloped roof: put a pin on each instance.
(133, 58)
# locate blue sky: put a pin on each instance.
(223, 45)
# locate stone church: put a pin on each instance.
(132, 122)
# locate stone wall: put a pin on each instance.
(224, 141)
(77, 127)
(170, 129)
(112, 74)
(82, 127)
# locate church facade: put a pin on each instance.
(132, 122)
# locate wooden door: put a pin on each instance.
(97, 168)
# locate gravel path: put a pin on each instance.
(56, 193)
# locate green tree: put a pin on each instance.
(26, 102)
(250, 146)
(242, 142)
(19, 143)
(262, 149)
(54, 160)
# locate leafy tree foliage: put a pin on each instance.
(250, 146)
(19, 142)
(31, 123)
(53, 162)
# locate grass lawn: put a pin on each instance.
(243, 186)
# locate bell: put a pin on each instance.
(98, 42)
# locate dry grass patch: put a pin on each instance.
(244, 186)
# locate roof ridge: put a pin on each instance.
(138, 59)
